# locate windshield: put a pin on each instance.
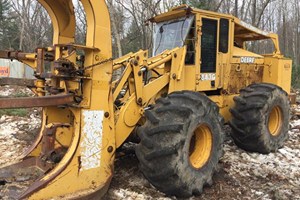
(171, 34)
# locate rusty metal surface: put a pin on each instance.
(25, 167)
(31, 168)
(34, 145)
(49, 152)
(77, 46)
(52, 175)
(15, 55)
(40, 184)
(35, 167)
(242, 75)
(31, 102)
(17, 81)
(40, 61)
(4, 54)
(293, 98)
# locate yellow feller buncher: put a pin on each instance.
(200, 76)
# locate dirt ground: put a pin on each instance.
(242, 175)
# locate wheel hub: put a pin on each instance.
(275, 121)
(200, 146)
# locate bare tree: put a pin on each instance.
(36, 29)
(80, 37)
(117, 25)
(128, 19)
(139, 36)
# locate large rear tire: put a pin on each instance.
(260, 118)
(181, 143)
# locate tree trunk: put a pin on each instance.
(254, 6)
(236, 6)
(115, 28)
(22, 31)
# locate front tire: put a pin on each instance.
(181, 143)
(260, 118)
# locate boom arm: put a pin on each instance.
(134, 92)
(87, 155)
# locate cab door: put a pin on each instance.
(213, 53)
(208, 54)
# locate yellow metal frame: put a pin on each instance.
(95, 89)
(104, 125)
(141, 94)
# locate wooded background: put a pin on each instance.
(25, 25)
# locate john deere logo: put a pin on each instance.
(247, 60)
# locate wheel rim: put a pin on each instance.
(200, 146)
(275, 121)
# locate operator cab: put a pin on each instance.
(176, 33)
(214, 42)
(204, 37)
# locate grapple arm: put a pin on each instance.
(74, 151)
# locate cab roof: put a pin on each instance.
(242, 30)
